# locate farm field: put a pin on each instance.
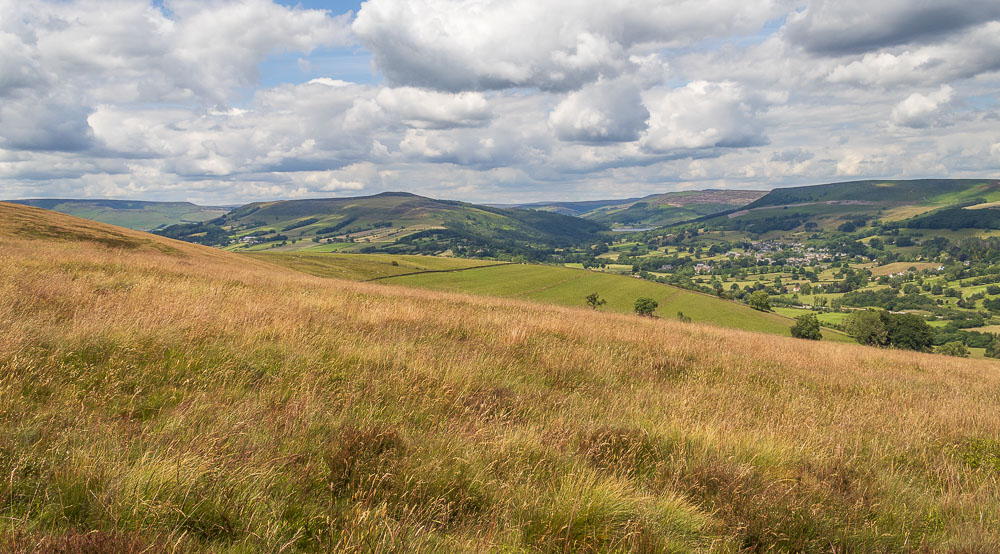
(568, 287)
(896, 267)
(161, 395)
(548, 284)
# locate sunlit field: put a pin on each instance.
(164, 396)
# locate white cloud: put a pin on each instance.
(607, 111)
(554, 45)
(491, 100)
(433, 110)
(65, 58)
(966, 55)
(836, 27)
(922, 110)
(700, 115)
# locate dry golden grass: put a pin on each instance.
(166, 396)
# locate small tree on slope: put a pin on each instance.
(646, 306)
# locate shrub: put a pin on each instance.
(646, 306)
(594, 300)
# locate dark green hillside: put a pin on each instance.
(578, 209)
(853, 205)
(655, 210)
(915, 192)
(957, 218)
(659, 210)
(393, 222)
(132, 214)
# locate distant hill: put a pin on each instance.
(849, 205)
(658, 210)
(655, 210)
(394, 222)
(133, 214)
(576, 209)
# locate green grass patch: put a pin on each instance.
(568, 287)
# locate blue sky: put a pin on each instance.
(232, 101)
(352, 63)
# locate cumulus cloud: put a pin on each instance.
(65, 58)
(608, 111)
(489, 100)
(829, 27)
(966, 55)
(553, 45)
(425, 109)
(923, 110)
(700, 115)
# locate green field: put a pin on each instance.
(548, 284)
(362, 267)
(568, 287)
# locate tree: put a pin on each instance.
(881, 328)
(594, 300)
(760, 301)
(683, 318)
(806, 327)
(908, 331)
(993, 348)
(953, 348)
(867, 328)
(646, 306)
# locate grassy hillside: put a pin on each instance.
(399, 223)
(914, 192)
(548, 284)
(827, 207)
(577, 209)
(568, 287)
(167, 395)
(133, 214)
(659, 210)
(655, 210)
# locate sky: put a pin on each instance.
(506, 101)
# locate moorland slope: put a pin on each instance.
(163, 394)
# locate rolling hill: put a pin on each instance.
(576, 209)
(655, 210)
(161, 395)
(134, 214)
(659, 210)
(390, 222)
(828, 207)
